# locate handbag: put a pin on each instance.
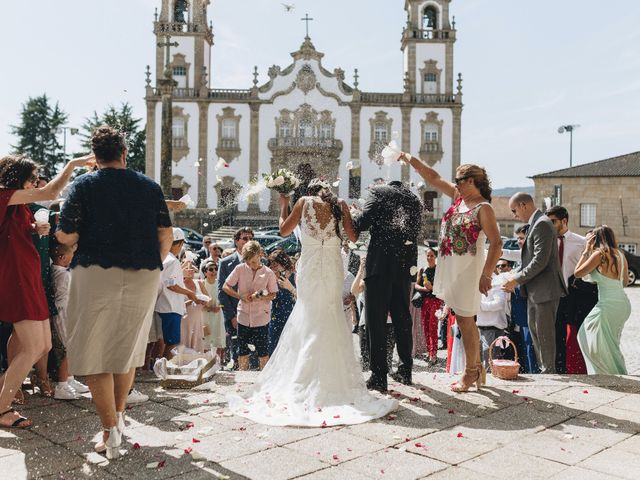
(417, 299)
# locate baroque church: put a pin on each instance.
(306, 116)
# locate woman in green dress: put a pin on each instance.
(599, 336)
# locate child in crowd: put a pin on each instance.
(67, 388)
(215, 334)
(192, 328)
(257, 287)
(170, 304)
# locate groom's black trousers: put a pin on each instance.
(383, 295)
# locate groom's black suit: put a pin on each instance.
(392, 214)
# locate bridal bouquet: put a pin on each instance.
(282, 181)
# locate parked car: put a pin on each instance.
(290, 245)
(193, 239)
(634, 266)
(510, 244)
(266, 240)
(271, 231)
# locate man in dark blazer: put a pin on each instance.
(392, 214)
(540, 277)
(230, 304)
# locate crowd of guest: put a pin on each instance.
(107, 285)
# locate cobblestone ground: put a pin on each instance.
(583, 427)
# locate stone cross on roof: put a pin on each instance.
(307, 19)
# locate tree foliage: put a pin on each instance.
(38, 133)
(123, 120)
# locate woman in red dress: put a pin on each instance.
(22, 298)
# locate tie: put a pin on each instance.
(561, 248)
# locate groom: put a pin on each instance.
(392, 214)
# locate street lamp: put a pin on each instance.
(72, 131)
(569, 128)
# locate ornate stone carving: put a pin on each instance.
(306, 79)
(380, 135)
(228, 134)
(431, 138)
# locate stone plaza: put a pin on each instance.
(554, 426)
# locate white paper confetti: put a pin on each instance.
(408, 242)
(413, 270)
(251, 347)
(349, 165)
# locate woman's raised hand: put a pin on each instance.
(88, 161)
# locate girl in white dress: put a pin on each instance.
(215, 335)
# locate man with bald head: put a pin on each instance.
(540, 277)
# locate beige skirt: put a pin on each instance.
(108, 318)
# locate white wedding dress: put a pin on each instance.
(313, 378)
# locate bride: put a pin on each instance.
(313, 378)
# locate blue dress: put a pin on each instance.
(599, 336)
(281, 308)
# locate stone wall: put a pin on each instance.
(606, 193)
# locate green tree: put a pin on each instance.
(123, 120)
(37, 133)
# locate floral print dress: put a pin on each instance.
(461, 257)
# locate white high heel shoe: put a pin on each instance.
(101, 447)
(113, 443)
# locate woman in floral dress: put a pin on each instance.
(463, 272)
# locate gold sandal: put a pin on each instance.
(475, 375)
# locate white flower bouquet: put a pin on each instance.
(282, 181)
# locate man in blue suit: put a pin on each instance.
(230, 304)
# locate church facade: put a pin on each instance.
(305, 115)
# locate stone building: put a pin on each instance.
(305, 113)
(603, 192)
(506, 221)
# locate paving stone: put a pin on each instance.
(48, 461)
(614, 462)
(576, 473)
(503, 434)
(20, 440)
(576, 398)
(450, 446)
(555, 446)
(505, 461)
(87, 471)
(631, 444)
(387, 432)
(333, 473)
(134, 464)
(78, 428)
(278, 463)
(334, 447)
(628, 402)
(525, 416)
(227, 445)
(281, 436)
(607, 415)
(14, 466)
(457, 473)
(599, 434)
(393, 463)
(150, 412)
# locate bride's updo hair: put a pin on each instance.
(320, 188)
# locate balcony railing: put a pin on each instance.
(431, 147)
(179, 142)
(228, 144)
(280, 142)
(419, 98)
(229, 93)
(430, 34)
(181, 27)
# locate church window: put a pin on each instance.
(179, 71)
(305, 129)
(430, 77)
(431, 147)
(325, 131)
(431, 133)
(178, 128)
(229, 128)
(285, 129)
(430, 74)
(380, 132)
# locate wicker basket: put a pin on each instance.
(504, 369)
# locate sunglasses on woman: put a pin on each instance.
(211, 270)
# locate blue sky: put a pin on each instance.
(528, 67)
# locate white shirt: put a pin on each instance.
(573, 246)
(494, 306)
(530, 221)
(168, 301)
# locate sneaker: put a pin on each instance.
(64, 391)
(77, 386)
(137, 397)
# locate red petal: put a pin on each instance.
(336, 416)
(136, 446)
(451, 412)
(515, 391)
(188, 450)
(526, 399)
(382, 470)
(195, 440)
(206, 400)
(585, 391)
(562, 449)
(335, 456)
(459, 435)
(392, 417)
(242, 429)
(419, 445)
(324, 424)
(349, 450)
(129, 407)
(161, 464)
